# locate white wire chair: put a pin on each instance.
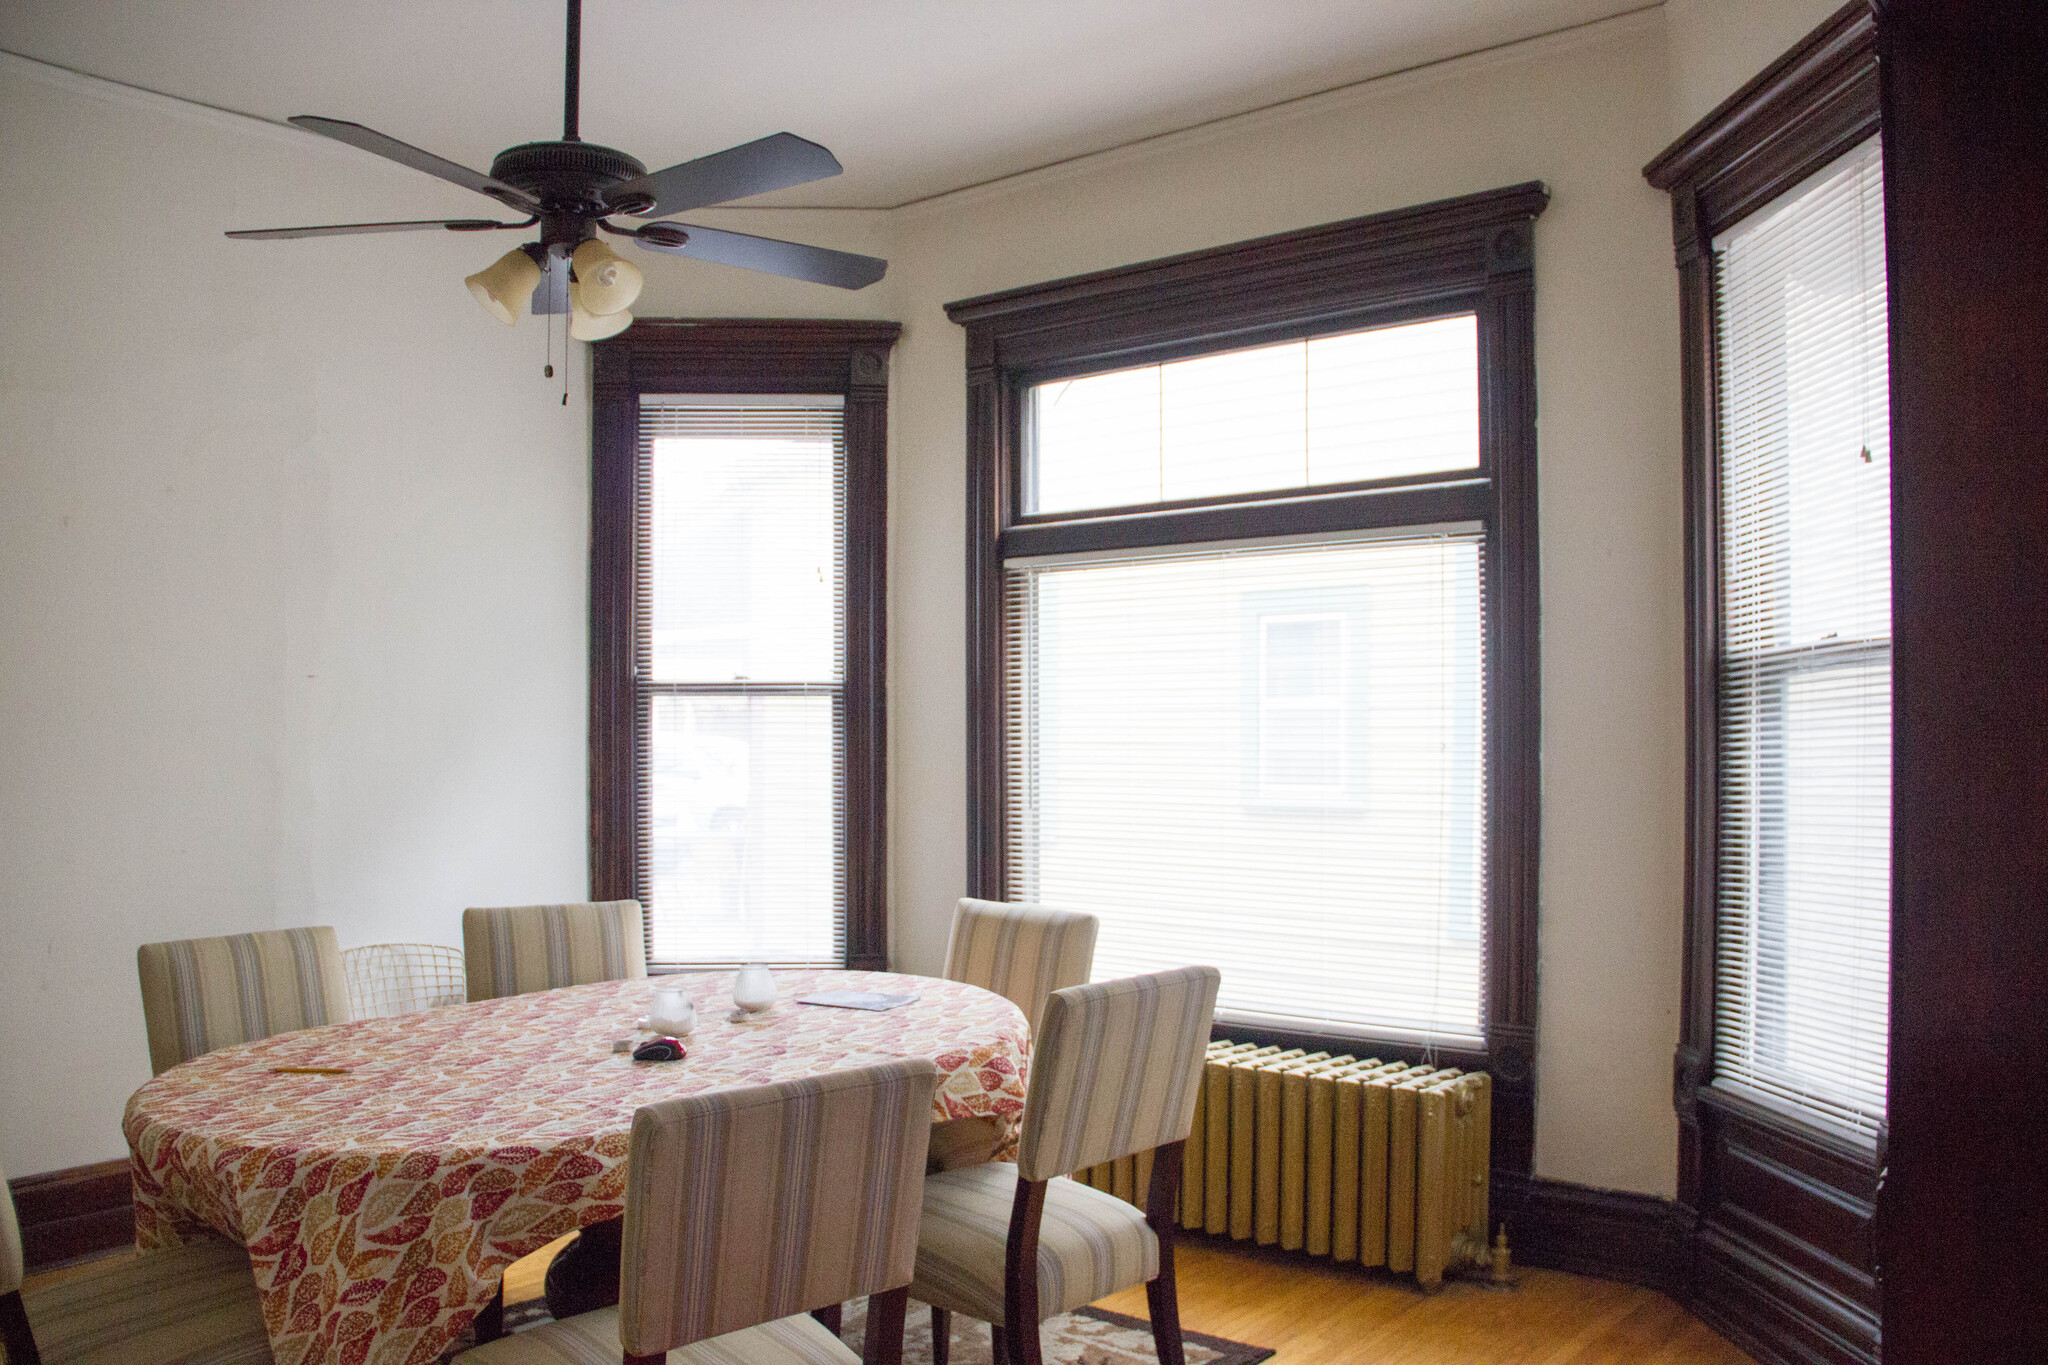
(397, 978)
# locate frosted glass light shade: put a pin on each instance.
(585, 325)
(610, 283)
(505, 285)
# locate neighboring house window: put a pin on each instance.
(1305, 716)
(1252, 571)
(736, 668)
(1804, 906)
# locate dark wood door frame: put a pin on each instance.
(742, 355)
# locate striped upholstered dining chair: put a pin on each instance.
(521, 948)
(1021, 952)
(194, 1303)
(745, 1209)
(1114, 1071)
(199, 994)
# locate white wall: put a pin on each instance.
(309, 647)
(292, 576)
(1717, 45)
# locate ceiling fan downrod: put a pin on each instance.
(571, 78)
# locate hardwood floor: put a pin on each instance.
(1310, 1311)
(1318, 1314)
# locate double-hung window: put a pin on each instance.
(1779, 1076)
(736, 641)
(739, 675)
(1252, 577)
(1804, 890)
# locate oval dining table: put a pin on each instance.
(383, 1173)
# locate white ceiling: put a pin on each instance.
(916, 97)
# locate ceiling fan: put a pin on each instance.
(571, 188)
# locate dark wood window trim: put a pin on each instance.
(1783, 1228)
(769, 355)
(1471, 254)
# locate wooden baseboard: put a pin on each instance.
(1765, 1305)
(1611, 1234)
(75, 1212)
(1737, 1286)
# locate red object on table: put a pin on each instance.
(380, 1206)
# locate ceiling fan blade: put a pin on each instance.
(819, 265)
(405, 154)
(769, 163)
(348, 229)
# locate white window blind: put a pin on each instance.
(739, 677)
(1803, 914)
(1268, 757)
(1375, 404)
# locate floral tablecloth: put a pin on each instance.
(379, 1206)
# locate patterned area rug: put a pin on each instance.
(1087, 1336)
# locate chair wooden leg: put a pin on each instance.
(490, 1320)
(1162, 1301)
(828, 1317)
(1163, 1305)
(1024, 1344)
(1020, 1273)
(884, 1342)
(14, 1331)
(942, 1335)
(998, 1351)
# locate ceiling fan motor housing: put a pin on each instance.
(570, 179)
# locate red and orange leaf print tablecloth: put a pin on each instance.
(380, 1206)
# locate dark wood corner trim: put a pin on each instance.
(74, 1212)
(1473, 254)
(743, 355)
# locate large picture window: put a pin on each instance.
(1252, 583)
(736, 638)
(1262, 755)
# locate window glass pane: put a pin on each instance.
(742, 805)
(1270, 759)
(1366, 405)
(744, 579)
(1805, 825)
(741, 649)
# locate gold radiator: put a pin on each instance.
(1382, 1163)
